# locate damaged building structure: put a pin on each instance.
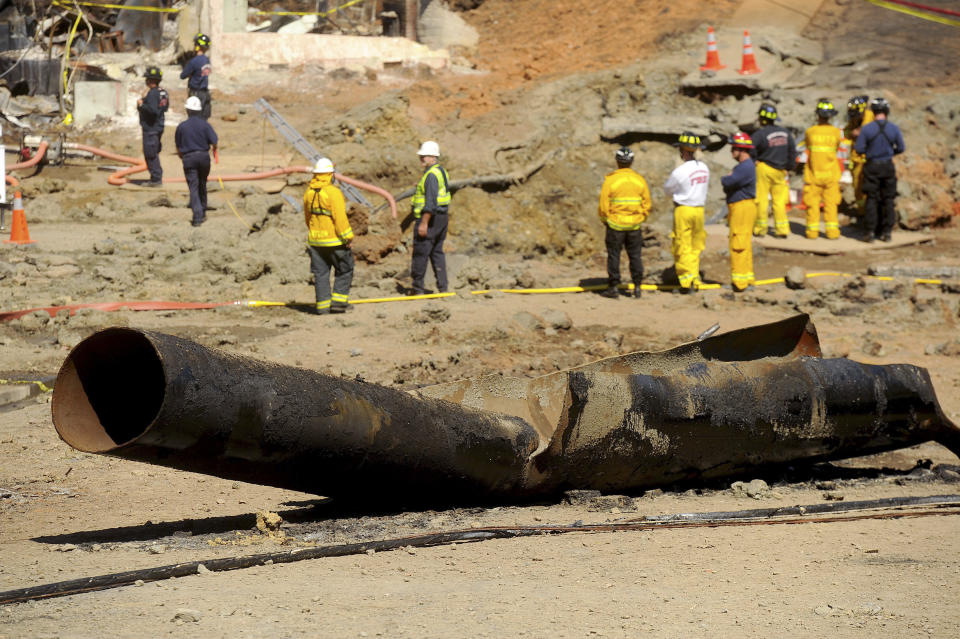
(63, 61)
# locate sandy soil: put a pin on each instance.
(546, 74)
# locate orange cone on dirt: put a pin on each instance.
(19, 233)
(713, 56)
(749, 64)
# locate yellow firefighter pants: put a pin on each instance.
(830, 191)
(689, 240)
(772, 183)
(856, 172)
(741, 218)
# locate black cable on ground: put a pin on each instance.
(688, 520)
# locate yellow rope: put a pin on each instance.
(322, 14)
(243, 221)
(915, 13)
(43, 387)
(117, 6)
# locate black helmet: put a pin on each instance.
(201, 40)
(153, 73)
(880, 105)
(624, 155)
(825, 108)
(689, 141)
(767, 112)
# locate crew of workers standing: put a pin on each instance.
(760, 178)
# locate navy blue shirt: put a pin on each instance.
(880, 143)
(198, 70)
(775, 147)
(741, 184)
(194, 134)
(152, 109)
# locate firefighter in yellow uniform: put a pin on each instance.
(624, 206)
(740, 188)
(328, 240)
(687, 185)
(776, 155)
(821, 175)
(858, 116)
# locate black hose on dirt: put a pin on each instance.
(760, 516)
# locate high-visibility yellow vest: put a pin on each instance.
(443, 194)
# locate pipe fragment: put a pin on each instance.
(727, 405)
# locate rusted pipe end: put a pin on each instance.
(109, 390)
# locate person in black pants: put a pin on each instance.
(879, 141)
(151, 108)
(431, 205)
(197, 74)
(194, 139)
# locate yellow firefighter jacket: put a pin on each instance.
(822, 142)
(848, 132)
(324, 212)
(624, 200)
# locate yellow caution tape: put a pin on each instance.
(43, 387)
(322, 14)
(915, 13)
(68, 5)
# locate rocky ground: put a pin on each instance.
(542, 100)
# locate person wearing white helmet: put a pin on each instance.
(328, 239)
(431, 203)
(194, 139)
(624, 206)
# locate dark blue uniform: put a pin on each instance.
(198, 71)
(879, 141)
(194, 137)
(741, 184)
(775, 147)
(151, 110)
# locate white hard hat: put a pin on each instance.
(429, 148)
(323, 165)
(193, 104)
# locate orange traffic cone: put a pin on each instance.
(749, 64)
(19, 233)
(713, 56)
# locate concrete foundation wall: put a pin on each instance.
(242, 51)
(91, 99)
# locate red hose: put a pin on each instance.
(35, 160)
(115, 306)
(118, 178)
(948, 12)
(373, 189)
(12, 181)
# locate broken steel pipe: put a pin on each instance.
(164, 400)
(719, 407)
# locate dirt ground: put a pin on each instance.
(536, 90)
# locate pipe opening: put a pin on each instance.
(109, 390)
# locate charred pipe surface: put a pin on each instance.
(724, 418)
(168, 401)
(743, 400)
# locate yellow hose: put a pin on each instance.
(584, 289)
